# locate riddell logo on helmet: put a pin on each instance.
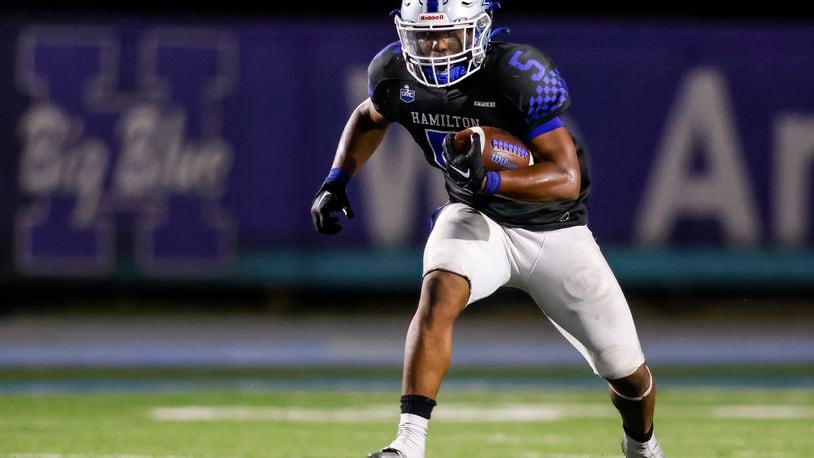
(432, 17)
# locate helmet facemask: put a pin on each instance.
(440, 53)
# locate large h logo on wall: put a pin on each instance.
(124, 141)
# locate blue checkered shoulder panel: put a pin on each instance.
(551, 94)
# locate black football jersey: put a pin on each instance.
(518, 89)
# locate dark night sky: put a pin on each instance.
(776, 11)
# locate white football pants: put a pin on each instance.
(562, 270)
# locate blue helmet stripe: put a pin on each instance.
(432, 6)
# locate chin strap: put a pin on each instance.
(639, 398)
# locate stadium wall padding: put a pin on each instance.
(152, 149)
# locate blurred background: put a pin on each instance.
(159, 160)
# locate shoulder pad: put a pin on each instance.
(531, 80)
(383, 66)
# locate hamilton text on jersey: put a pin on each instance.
(443, 120)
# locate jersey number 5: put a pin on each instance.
(528, 65)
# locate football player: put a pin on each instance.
(524, 228)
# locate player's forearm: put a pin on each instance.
(362, 135)
(542, 182)
(554, 176)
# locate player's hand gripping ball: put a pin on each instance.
(471, 152)
(500, 149)
(464, 166)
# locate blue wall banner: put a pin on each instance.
(194, 151)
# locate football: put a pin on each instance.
(501, 150)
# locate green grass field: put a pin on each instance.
(297, 420)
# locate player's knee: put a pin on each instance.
(443, 296)
(637, 384)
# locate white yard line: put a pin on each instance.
(86, 455)
(457, 413)
(454, 413)
(764, 412)
(207, 413)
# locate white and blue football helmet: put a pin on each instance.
(466, 25)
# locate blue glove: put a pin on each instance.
(465, 170)
(330, 198)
